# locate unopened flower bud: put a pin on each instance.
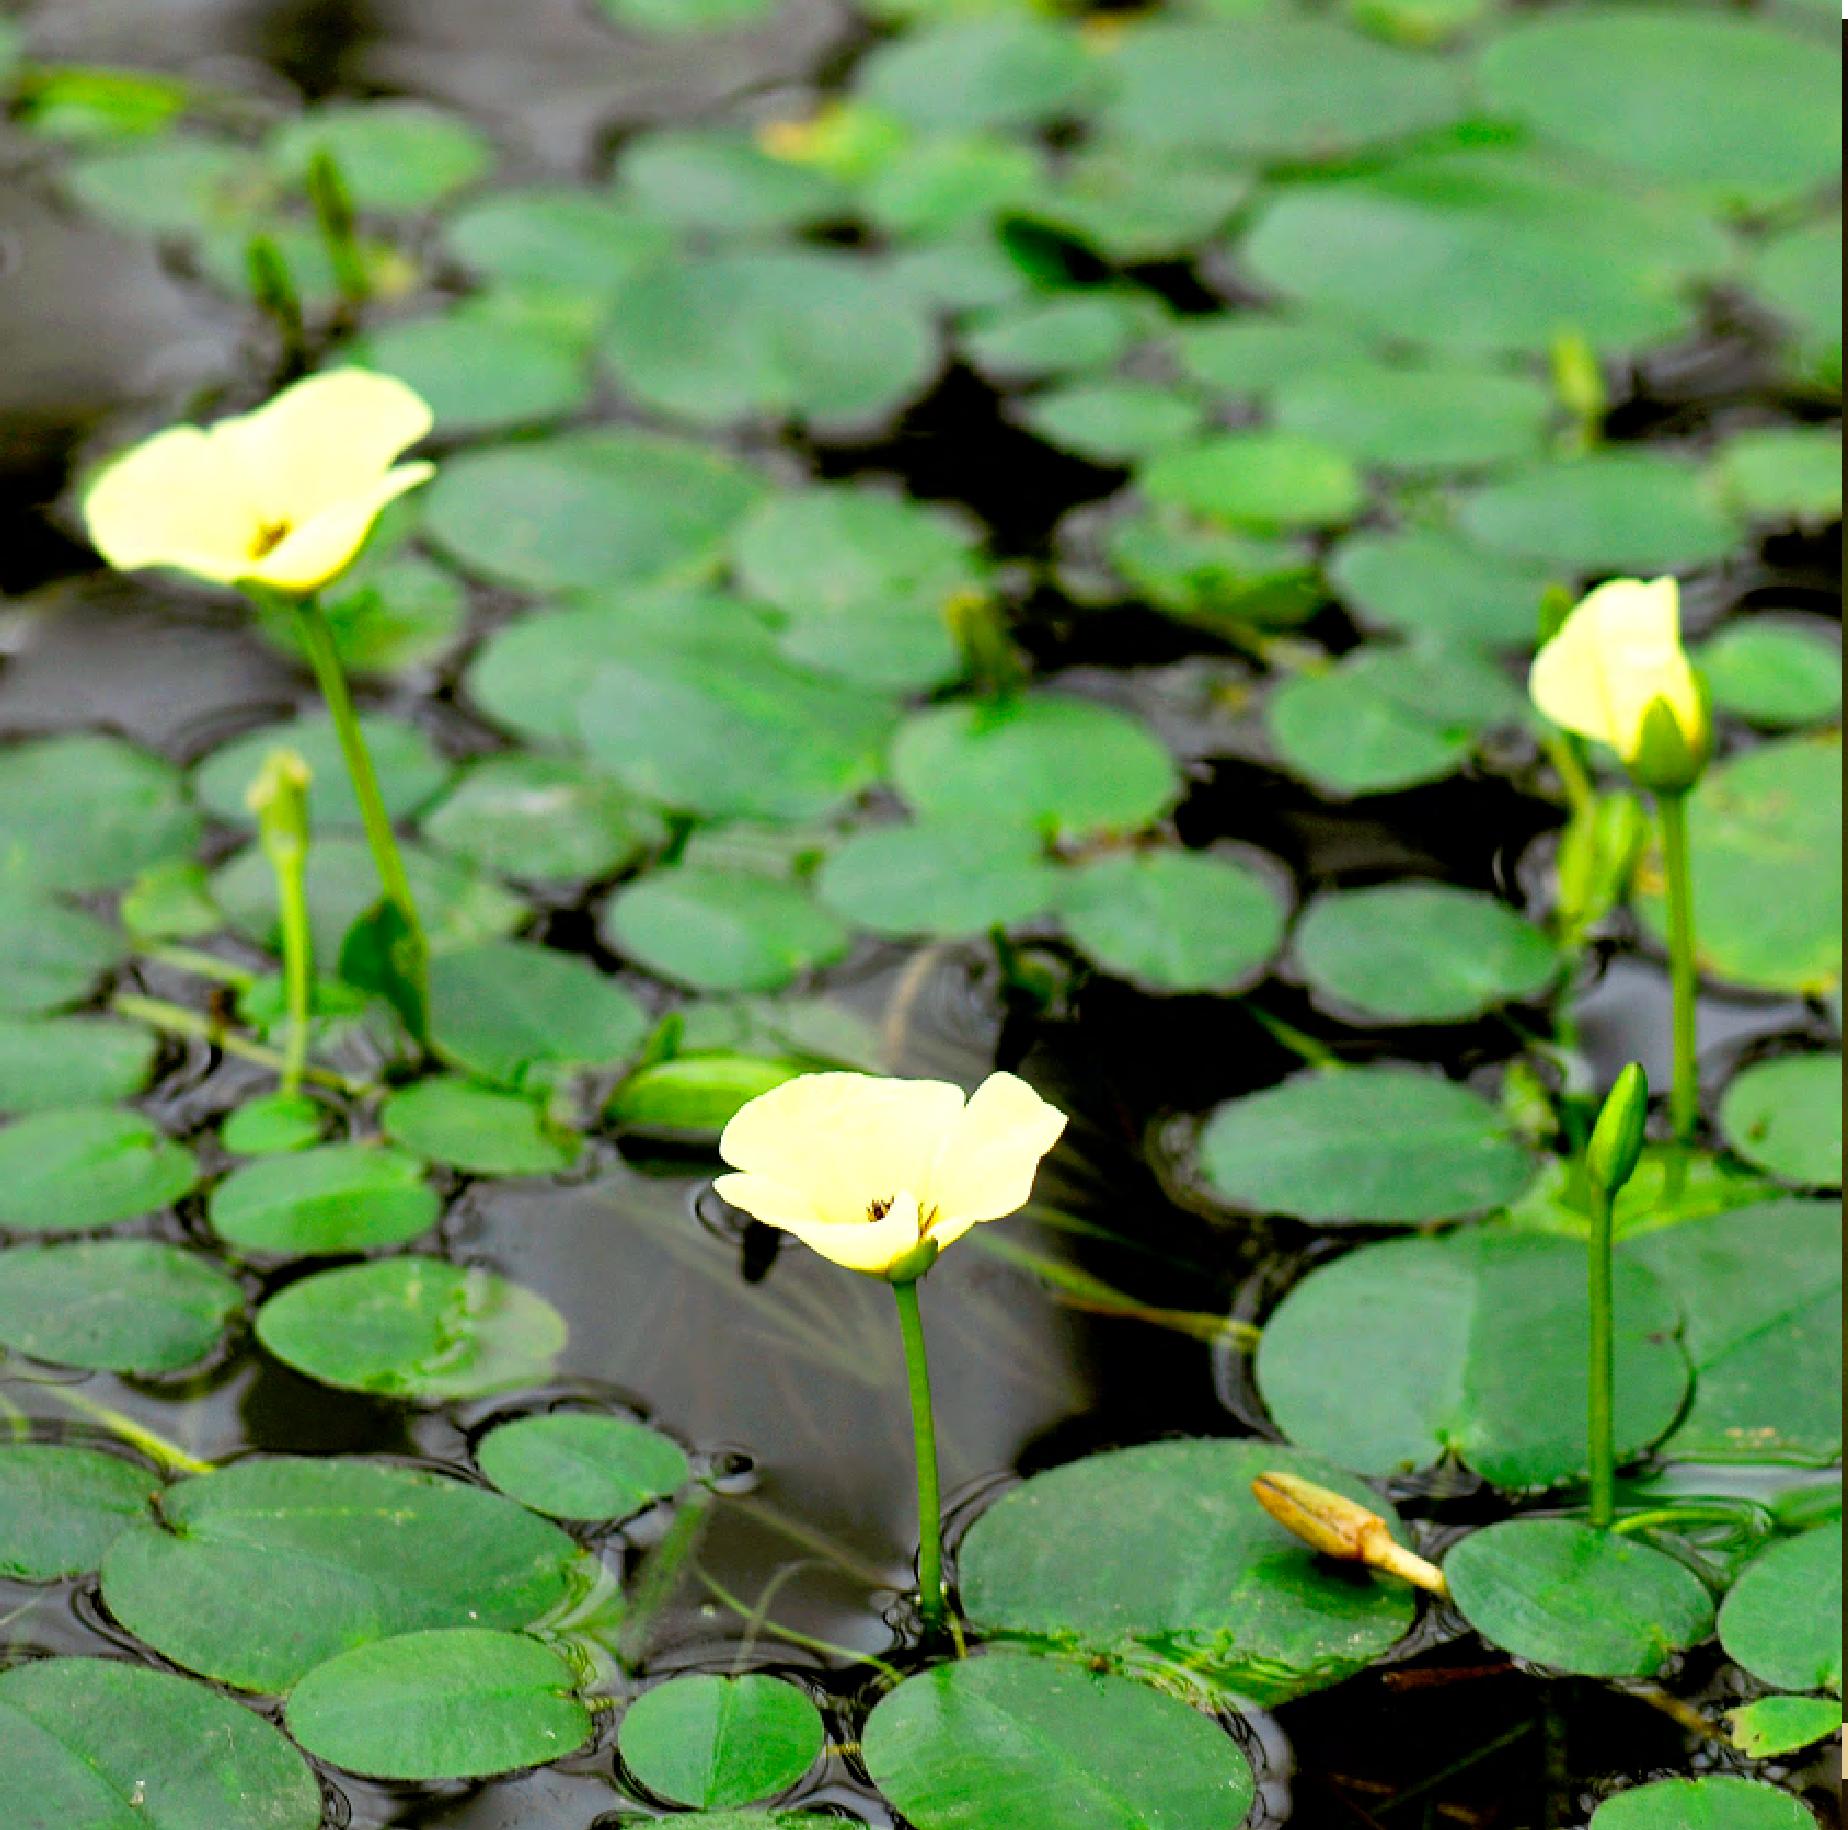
(279, 799)
(1340, 1527)
(1617, 1137)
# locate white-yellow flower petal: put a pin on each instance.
(865, 1245)
(844, 1140)
(986, 1163)
(323, 547)
(774, 1203)
(175, 500)
(1613, 657)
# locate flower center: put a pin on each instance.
(269, 536)
(881, 1205)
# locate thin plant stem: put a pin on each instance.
(324, 658)
(200, 964)
(177, 1020)
(807, 1641)
(924, 1440)
(1684, 1097)
(1601, 1381)
(1568, 763)
(297, 962)
(153, 1445)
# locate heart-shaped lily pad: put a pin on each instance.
(710, 1740)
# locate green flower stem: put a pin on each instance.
(201, 965)
(924, 1438)
(324, 658)
(177, 1020)
(154, 1446)
(1684, 1098)
(297, 963)
(1601, 1384)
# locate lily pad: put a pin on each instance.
(82, 1167)
(1069, 334)
(1131, 202)
(721, 181)
(710, 1740)
(1785, 1117)
(1249, 354)
(556, 242)
(723, 930)
(1175, 921)
(385, 615)
(1798, 274)
(274, 1124)
(1780, 1620)
(414, 1328)
(1784, 473)
(394, 156)
(1782, 1725)
(1114, 422)
(694, 1095)
(941, 876)
(1717, 1803)
(260, 1571)
(47, 1062)
(589, 509)
(1760, 1291)
(1264, 480)
(1434, 1150)
(478, 1129)
(582, 1464)
(1424, 582)
(1162, 1551)
(446, 1703)
(331, 1199)
(50, 953)
(1472, 1345)
(1421, 953)
(61, 1508)
(1000, 71)
(115, 1746)
(992, 1743)
(1774, 673)
(1590, 1602)
(521, 1015)
(410, 770)
(113, 1305)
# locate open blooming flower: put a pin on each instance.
(1618, 654)
(282, 497)
(869, 1172)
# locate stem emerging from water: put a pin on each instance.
(1601, 1386)
(924, 1438)
(154, 1446)
(1684, 1098)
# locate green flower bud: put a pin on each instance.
(1671, 752)
(279, 799)
(1617, 1137)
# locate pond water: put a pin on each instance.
(1094, 1320)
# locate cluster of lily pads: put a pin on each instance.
(1326, 318)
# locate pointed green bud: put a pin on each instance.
(1617, 1138)
(914, 1264)
(1670, 754)
(1556, 604)
(279, 799)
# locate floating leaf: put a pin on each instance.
(1423, 582)
(395, 156)
(477, 1129)
(1782, 1725)
(334, 1198)
(106, 1744)
(1785, 1117)
(447, 1703)
(1774, 673)
(723, 930)
(978, 72)
(82, 812)
(1784, 473)
(274, 1124)
(945, 877)
(556, 242)
(1718, 1803)
(1760, 1291)
(1161, 1551)
(1421, 953)
(50, 954)
(1175, 920)
(61, 1508)
(260, 1571)
(113, 1305)
(709, 1740)
(1671, 1184)
(1434, 1150)
(1780, 1620)
(1247, 354)
(1799, 275)
(386, 614)
(695, 1095)
(1564, 1595)
(1068, 334)
(47, 1062)
(1472, 1345)
(1263, 480)
(413, 1328)
(410, 769)
(1131, 202)
(72, 1170)
(722, 181)
(992, 1743)
(1114, 422)
(680, 16)
(582, 1464)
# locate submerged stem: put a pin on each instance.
(924, 1441)
(137, 1435)
(1600, 1403)
(1684, 1098)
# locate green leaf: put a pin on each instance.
(1424, 582)
(1671, 1184)
(972, 73)
(1473, 1345)
(719, 180)
(681, 16)
(1052, 763)
(258, 1572)
(545, 819)
(477, 1129)
(273, 1124)
(723, 930)
(383, 954)
(395, 156)
(1782, 1725)
(1785, 1116)
(694, 1095)
(448, 1703)
(947, 877)
(1760, 1291)
(1247, 354)
(1131, 202)
(582, 1464)
(1114, 422)
(113, 1305)
(61, 1508)
(386, 614)
(413, 1328)
(108, 1745)
(47, 1062)
(1590, 1602)
(1073, 333)
(1798, 274)
(1374, 1145)
(1161, 1553)
(1718, 1803)
(1784, 473)
(998, 1742)
(83, 812)
(589, 509)
(410, 769)
(1774, 672)
(709, 1740)
(556, 242)
(72, 1170)
(50, 954)
(1176, 921)
(1781, 1620)
(330, 1199)
(1412, 952)
(1264, 480)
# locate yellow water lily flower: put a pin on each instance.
(1617, 654)
(881, 1174)
(282, 497)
